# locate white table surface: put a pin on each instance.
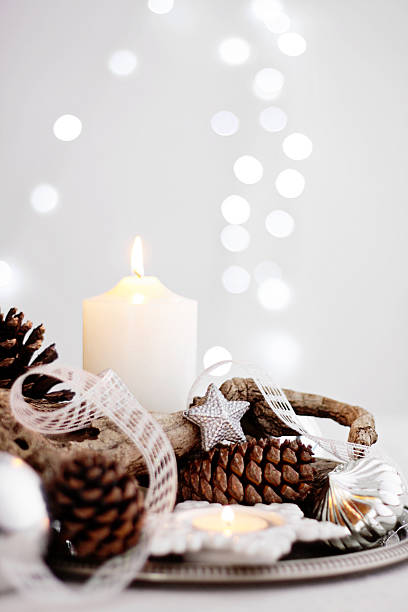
(378, 592)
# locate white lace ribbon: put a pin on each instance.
(96, 396)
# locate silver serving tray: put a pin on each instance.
(291, 569)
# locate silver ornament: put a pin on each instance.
(218, 419)
(367, 496)
(24, 522)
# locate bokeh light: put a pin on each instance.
(224, 123)
(235, 209)
(122, 62)
(292, 44)
(235, 238)
(265, 270)
(234, 51)
(274, 294)
(214, 355)
(236, 279)
(297, 146)
(6, 274)
(161, 7)
(279, 223)
(67, 128)
(44, 198)
(248, 169)
(277, 22)
(290, 183)
(273, 119)
(268, 83)
(280, 352)
(264, 8)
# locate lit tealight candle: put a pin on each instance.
(230, 521)
(145, 333)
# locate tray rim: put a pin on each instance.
(290, 570)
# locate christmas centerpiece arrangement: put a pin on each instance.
(234, 477)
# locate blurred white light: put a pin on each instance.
(225, 123)
(67, 127)
(272, 15)
(44, 198)
(279, 223)
(235, 238)
(234, 51)
(236, 279)
(274, 294)
(292, 44)
(281, 353)
(6, 274)
(122, 62)
(235, 209)
(268, 83)
(214, 355)
(161, 7)
(277, 22)
(297, 146)
(264, 8)
(290, 183)
(273, 119)
(265, 270)
(248, 169)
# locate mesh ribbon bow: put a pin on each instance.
(95, 396)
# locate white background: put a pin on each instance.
(147, 162)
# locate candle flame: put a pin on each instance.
(227, 515)
(137, 257)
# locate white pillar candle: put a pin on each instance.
(145, 333)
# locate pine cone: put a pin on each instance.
(99, 507)
(16, 352)
(257, 471)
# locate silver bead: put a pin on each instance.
(367, 496)
(24, 522)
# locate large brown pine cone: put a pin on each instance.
(17, 348)
(98, 509)
(257, 471)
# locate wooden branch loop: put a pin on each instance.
(103, 436)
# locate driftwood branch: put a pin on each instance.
(360, 421)
(44, 452)
(260, 420)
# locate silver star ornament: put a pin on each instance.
(218, 419)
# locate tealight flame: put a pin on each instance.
(227, 515)
(137, 257)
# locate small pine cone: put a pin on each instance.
(17, 348)
(256, 471)
(99, 507)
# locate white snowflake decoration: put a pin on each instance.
(177, 535)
